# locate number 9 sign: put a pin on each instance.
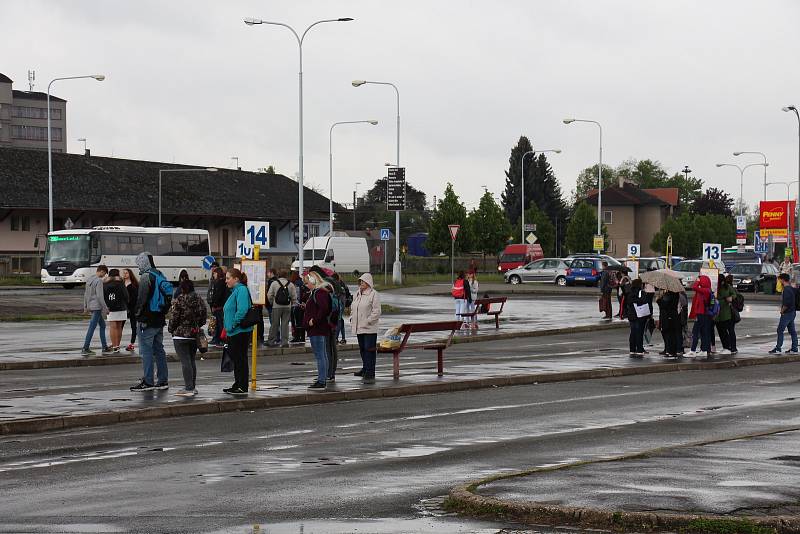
(634, 250)
(712, 252)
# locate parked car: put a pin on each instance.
(585, 270)
(517, 255)
(690, 270)
(675, 260)
(755, 277)
(651, 264)
(553, 270)
(732, 259)
(603, 257)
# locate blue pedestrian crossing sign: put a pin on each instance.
(386, 234)
(760, 246)
(207, 261)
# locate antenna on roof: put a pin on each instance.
(31, 79)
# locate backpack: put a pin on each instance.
(348, 297)
(282, 296)
(738, 302)
(161, 298)
(713, 306)
(458, 289)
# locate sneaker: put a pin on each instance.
(161, 385)
(142, 386)
(227, 390)
(237, 392)
(317, 385)
(734, 352)
(88, 352)
(107, 350)
(775, 351)
(342, 342)
(792, 351)
(331, 379)
(359, 373)
(724, 352)
(186, 393)
(130, 347)
(115, 350)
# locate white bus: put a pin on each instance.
(72, 256)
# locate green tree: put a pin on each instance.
(488, 227)
(581, 229)
(545, 230)
(689, 232)
(449, 210)
(714, 201)
(587, 180)
(371, 211)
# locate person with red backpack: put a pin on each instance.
(461, 294)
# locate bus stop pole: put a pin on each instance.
(254, 338)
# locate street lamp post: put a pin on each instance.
(189, 169)
(599, 173)
(765, 165)
(522, 182)
(330, 169)
(796, 114)
(397, 268)
(741, 180)
(300, 39)
(99, 78)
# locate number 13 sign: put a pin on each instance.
(712, 251)
(256, 233)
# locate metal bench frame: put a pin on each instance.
(410, 328)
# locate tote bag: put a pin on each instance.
(642, 310)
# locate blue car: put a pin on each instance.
(585, 271)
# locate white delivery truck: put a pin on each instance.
(340, 254)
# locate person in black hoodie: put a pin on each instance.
(116, 296)
(132, 285)
(216, 297)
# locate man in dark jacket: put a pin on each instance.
(151, 327)
(788, 314)
(605, 291)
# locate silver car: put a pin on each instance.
(690, 270)
(553, 270)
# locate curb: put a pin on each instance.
(190, 407)
(217, 354)
(464, 500)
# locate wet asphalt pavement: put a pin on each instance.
(365, 466)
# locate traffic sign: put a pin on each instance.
(243, 250)
(386, 234)
(529, 227)
(760, 246)
(598, 243)
(256, 233)
(634, 250)
(741, 222)
(396, 189)
(712, 252)
(453, 230)
(531, 239)
(207, 261)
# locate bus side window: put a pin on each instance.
(108, 244)
(163, 245)
(180, 244)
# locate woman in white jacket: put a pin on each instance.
(365, 312)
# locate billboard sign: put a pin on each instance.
(773, 213)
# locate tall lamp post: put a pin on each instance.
(599, 173)
(397, 268)
(300, 38)
(330, 169)
(522, 181)
(796, 114)
(162, 171)
(741, 180)
(739, 153)
(99, 78)
(788, 199)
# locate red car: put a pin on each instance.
(518, 255)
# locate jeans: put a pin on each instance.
(237, 348)
(340, 329)
(151, 346)
(704, 330)
(636, 336)
(321, 355)
(366, 345)
(97, 319)
(461, 307)
(187, 349)
(333, 355)
(279, 325)
(787, 321)
(134, 327)
(218, 315)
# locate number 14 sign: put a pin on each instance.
(256, 233)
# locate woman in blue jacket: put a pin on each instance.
(238, 339)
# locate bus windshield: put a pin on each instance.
(68, 248)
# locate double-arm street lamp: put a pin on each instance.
(765, 165)
(99, 78)
(188, 169)
(522, 182)
(599, 173)
(300, 39)
(741, 179)
(397, 269)
(330, 170)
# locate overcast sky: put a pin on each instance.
(684, 82)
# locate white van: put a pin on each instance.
(341, 254)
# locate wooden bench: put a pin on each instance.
(439, 346)
(487, 302)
